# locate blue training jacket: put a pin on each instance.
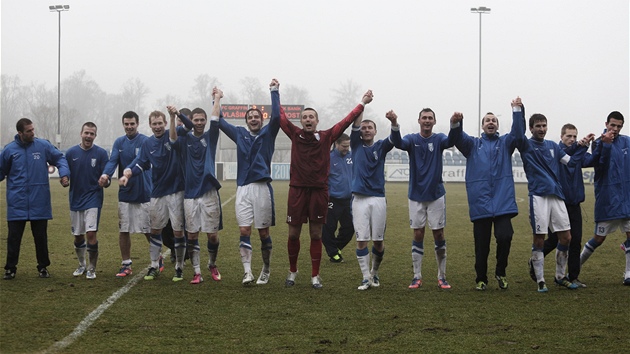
(340, 176)
(541, 162)
(571, 178)
(26, 168)
(489, 179)
(612, 179)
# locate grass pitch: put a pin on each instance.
(164, 317)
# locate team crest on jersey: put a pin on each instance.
(137, 151)
(349, 160)
(203, 142)
(551, 152)
(93, 162)
(430, 147)
(375, 155)
(167, 146)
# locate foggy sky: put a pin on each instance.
(566, 59)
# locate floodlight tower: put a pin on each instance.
(59, 9)
(480, 10)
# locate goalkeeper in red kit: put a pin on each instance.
(308, 186)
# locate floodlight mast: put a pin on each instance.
(59, 9)
(480, 10)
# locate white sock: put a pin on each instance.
(440, 257)
(245, 248)
(417, 252)
(538, 260)
(363, 256)
(155, 249)
(80, 251)
(180, 251)
(194, 257)
(562, 255)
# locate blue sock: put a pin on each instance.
(362, 252)
(417, 247)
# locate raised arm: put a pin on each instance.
(517, 132)
(285, 124)
(274, 89)
(455, 133)
(339, 128)
(465, 143)
(172, 129)
(217, 95)
(394, 137)
(519, 127)
(367, 98)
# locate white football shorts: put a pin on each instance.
(84, 220)
(254, 204)
(549, 213)
(168, 207)
(434, 212)
(133, 217)
(369, 216)
(604, 228)
(203, 214)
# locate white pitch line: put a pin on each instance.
(94, 315)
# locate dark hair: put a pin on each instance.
(426, 110)
(615, 115)
(369, 121)
(186, 112)
(131, 114)
(253, 110)
(342, 138)
(157, 114)
(536, 117)
(22, 123)
(198, 111)
(89, 125)
(310, 109)
(567, 126)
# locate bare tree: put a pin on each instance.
(108, 117)
(42, 110)
(161, 103)
(13, 107)
(296, 95)
(253, 92)
(345, 99)
(202, 91)
(81, 92)
(134, 92)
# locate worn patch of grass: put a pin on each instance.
(162, 316)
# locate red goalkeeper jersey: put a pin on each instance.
(310, 152)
